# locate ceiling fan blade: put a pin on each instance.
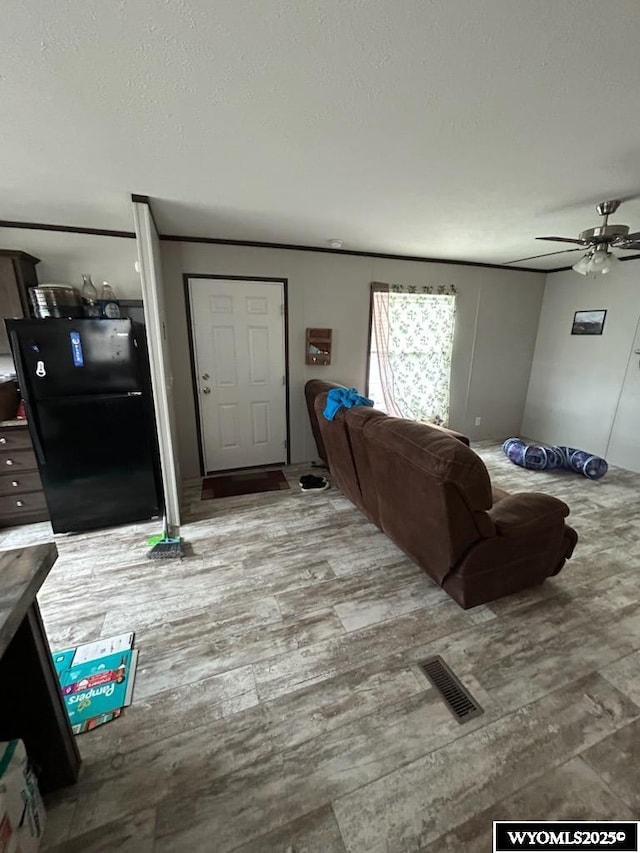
(631, 238)
(565, 240)
(633, 246)
(545, 255)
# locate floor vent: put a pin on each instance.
(457, 698)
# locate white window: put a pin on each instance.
(410, 356)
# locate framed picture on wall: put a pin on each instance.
(588, 322)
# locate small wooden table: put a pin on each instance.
(31, 705)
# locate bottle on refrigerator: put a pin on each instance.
(89, 297)
(109, 305)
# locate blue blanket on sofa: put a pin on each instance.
(343, 397)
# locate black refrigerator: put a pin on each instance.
(87, 394)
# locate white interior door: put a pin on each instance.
(238, 331)
(624, 442)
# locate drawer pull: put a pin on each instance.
(9, 461)
(15, 483)
(19, 503)
(3, 440)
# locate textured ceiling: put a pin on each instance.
(457, 128)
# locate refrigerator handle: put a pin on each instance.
(33, 427)
(17, 358)
(35, 437)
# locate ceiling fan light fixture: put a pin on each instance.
(611, 262)
(583, 266)
(596, 261)
(599, 260)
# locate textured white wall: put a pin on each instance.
(65, 257)
(576, 379)
(497, 317)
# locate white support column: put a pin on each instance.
(148, 244)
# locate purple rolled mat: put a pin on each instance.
(541, 458)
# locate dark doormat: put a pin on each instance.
(230, 485)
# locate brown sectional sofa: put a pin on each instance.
(431, 494)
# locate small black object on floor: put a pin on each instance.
(311, 483)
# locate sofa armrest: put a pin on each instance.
(499, 494)
(523, 513)
(452, 432)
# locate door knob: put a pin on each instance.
(3, 440)
(206, 390)
(205, 376)
(19, 503)
(9, 461)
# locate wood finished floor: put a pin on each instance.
(278, 706)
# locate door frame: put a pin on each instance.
(192, 356)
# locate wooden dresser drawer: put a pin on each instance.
(28, 481)
(15, 506)
(19, 460)
(22, 499)
(15, 439)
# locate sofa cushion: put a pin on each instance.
(356, 419)
(433, 492)
(311, 391)
(336, 442)
(437, 454)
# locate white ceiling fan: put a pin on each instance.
(598, 241)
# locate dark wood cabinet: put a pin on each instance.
(22, 498)
(17, 275)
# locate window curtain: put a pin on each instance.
(411, 344)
